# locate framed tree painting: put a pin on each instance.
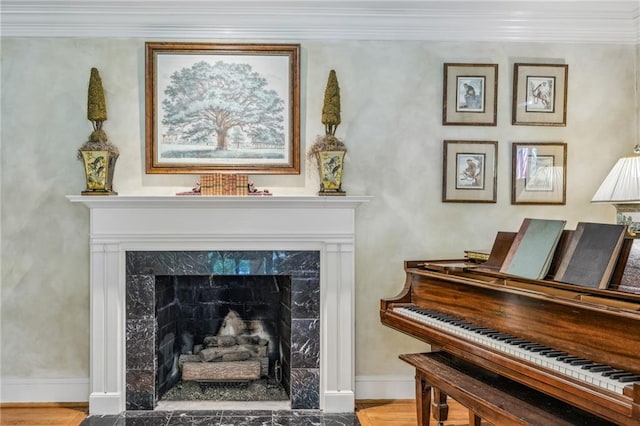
(470, 93)
(539, 173)
(540, 94)
(469, 171)
(222, 108)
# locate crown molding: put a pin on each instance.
(595, 21)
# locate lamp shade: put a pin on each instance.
(622, 184)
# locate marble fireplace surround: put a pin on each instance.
(293, 274)
(121, 224)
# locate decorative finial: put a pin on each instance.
(331, 108)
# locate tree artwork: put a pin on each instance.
(226, 105)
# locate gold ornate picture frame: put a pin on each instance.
(218, 107)
(539, 173)
(539, 94)
(469, 171)
(470, 93)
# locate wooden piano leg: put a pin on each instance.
(474, 420)
(635, 405)
(440, 407)
(423, 399)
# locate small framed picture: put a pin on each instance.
(469, 171)
(539, 95)
(470, 92)
(539, 173)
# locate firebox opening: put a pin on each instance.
(223, 337)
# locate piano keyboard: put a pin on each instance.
(600, 375)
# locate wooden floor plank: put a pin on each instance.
(40, 416)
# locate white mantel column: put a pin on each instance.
(338, 318)
(107, 330)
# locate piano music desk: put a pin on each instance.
(487, 395)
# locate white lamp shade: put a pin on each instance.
(622, 184)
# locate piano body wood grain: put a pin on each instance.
(601, 326)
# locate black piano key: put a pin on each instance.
(552, 353)
(592, 365)
(568, 358)
(539, 348)
(580, 362)
(503, 337)
(563, 357)
(610, 372)
(601, 369)
(476, 328)
(616, 376)
(517, 341)
(628, 379)
(533, 346)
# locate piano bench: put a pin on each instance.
(486, 395)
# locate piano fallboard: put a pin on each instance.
(598, 326)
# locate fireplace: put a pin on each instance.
(122, 227)
(175, 294)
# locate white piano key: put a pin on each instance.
(575, 371)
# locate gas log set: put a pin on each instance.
(238, 353)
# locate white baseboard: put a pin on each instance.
(18, 389)
(339, 401)
(385, 387)
(21, 389)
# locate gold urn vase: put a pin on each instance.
(330, 166)
(98, 168)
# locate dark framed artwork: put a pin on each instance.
(539, 173)
(214, 107)
(540, 94)
(469, 171)
(470, 93)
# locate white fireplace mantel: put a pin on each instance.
(146, 223)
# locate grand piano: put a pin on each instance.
(576, 344)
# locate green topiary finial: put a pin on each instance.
(97, 114)
(96, 106)
(331, 108)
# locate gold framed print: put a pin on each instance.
(540, 94)
(539, 173)
(469, 171)
(470, 93)
(219, 107)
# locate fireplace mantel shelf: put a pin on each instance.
(195, 201)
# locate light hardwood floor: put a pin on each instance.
(43, 414)
(403, 413)
(370, 413)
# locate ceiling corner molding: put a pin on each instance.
(570, 21)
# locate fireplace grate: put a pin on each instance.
(236, 384)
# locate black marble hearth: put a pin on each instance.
(224, 418)
(157, 278)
